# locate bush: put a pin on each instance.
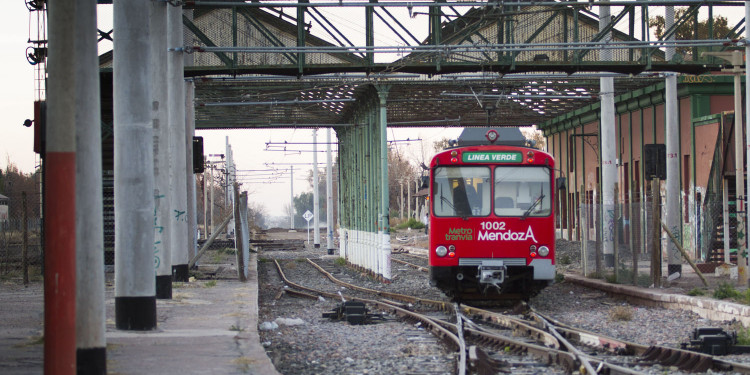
(696, 292)
(622, 313)
(726, 291)
(411, 223)
(565, 260)
(743, 336)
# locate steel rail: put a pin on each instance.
(412, 265)
(519, 326)
(683, 359)
(512, 345)
(445, 306)
(438, 330)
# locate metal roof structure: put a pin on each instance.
(259, 64)
(418, 101)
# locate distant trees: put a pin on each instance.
(536, 136)
(692, 29)
(13, 183)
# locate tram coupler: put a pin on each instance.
(353, 312)
(714, 341)
(491, 272)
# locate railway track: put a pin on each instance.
(473, 332)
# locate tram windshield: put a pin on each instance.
(522, 191)
(461, 191)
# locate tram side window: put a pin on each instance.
(461, 191)
(522, 191)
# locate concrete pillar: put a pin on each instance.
(672, 140)
(91, 352)
(608, 141)
(190, 176)
(135, 300)
(205, 199)
(747, 119)
(384, 201)
(211, 191)
(60, 205)
(176, 105)
(739, 173)
(291, 201)
(244, 234)
(329, 195)
(162, 186)
(316, 196)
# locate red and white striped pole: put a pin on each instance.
(60, 182)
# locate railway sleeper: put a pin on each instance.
(681, 359)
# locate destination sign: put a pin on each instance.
(492, 157)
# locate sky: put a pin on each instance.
(17, 96)
(18, 92)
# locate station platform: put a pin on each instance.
(208, 327)
(673, 294)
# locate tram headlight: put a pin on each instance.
(544, 251)
(441, 251)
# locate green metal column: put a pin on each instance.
(301, 36)
(370, 32)
(364, 180)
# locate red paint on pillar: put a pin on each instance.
(60, 264)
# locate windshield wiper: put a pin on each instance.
(536, 202)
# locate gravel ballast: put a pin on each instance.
(323, 346)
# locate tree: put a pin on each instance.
(302, 203)
(256, 215)
(400, 171)
(687, 30)
(440, 144)
(13, 183)
(536, 136)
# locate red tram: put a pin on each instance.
(492, 223)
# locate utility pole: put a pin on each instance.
(329, 195)
(401, 199)
(205, 202)
(211, 189)
(291, 201)
(316, 198)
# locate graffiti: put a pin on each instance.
(609, 234)
(697, 79)
(674, 252)
(180, 215)
(157, 260)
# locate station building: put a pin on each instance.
(706, 153)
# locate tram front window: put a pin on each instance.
(522, 191)
(461, 191)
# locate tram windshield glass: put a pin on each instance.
(522, 191)
(461, 191)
